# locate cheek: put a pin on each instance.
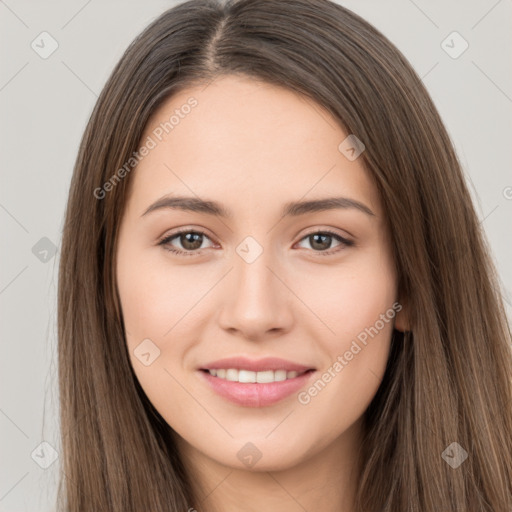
(158, 309)
(357, 305)
(155, 299)
(163, 312)
(349, 299)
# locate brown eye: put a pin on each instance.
(321, 242)
(190, 241)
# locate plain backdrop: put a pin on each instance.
(45, 102)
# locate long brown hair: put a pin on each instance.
(448, 378)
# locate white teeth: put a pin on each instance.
(280, 375)
(232, 374)
(246, 376)
(265, 377)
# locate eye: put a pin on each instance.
(321, 240)
(190, 240)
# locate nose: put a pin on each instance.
(258, 301)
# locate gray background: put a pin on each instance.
(45, 103)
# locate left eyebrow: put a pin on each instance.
(192, 204)
(294, 208)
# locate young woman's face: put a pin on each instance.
(278, 288)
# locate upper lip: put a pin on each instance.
(256, 365)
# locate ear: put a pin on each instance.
(402, 323)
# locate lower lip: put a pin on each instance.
(254, 394)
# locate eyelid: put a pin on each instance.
(332, 231)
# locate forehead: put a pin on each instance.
(247, 143)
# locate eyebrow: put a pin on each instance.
(294, 208)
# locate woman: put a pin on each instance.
(274, 290)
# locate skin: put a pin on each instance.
(253, 146)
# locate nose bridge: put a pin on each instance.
(258, 301)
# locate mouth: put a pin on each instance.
(253, 377)
(251, 383)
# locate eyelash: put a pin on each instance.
(165, 242)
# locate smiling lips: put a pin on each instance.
(255, 383)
